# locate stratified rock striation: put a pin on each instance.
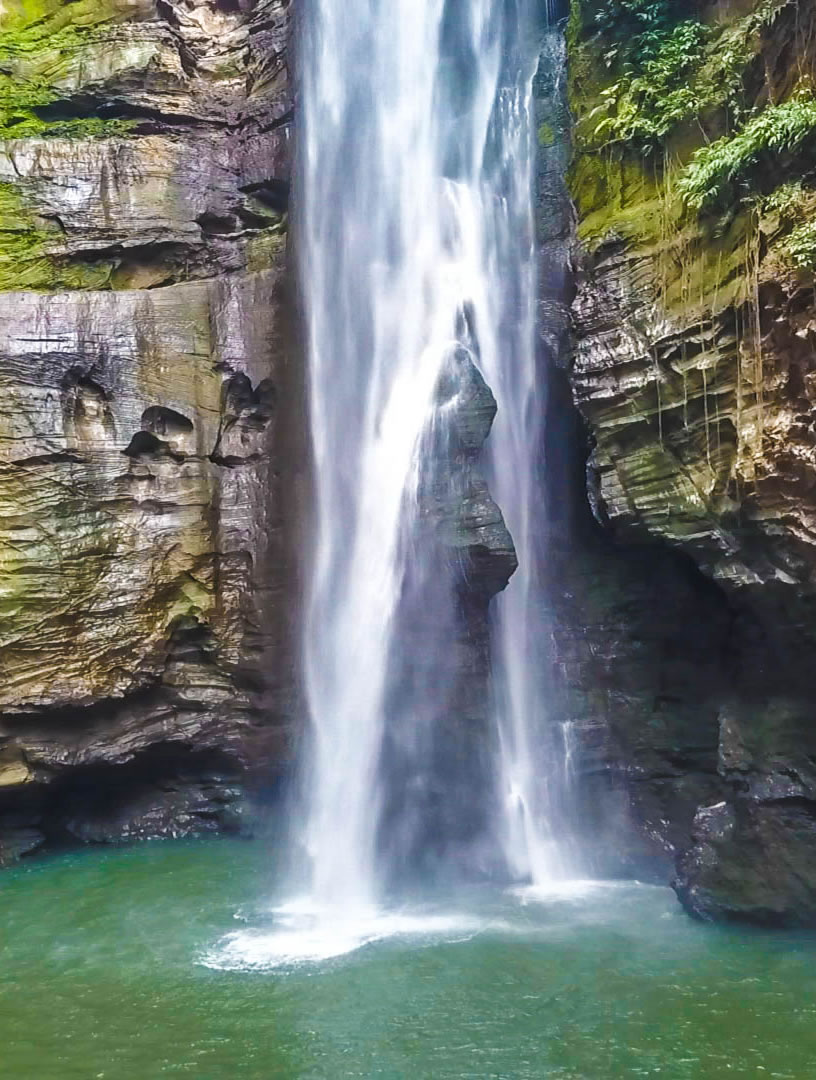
(144, 173)
(695, 354)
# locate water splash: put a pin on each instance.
(306, 937)
(415, 173)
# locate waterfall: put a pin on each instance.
(418, 273)
(528, 312)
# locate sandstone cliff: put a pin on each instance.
(144, 171)
(694, 181)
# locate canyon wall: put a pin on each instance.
(144, 177)
(152, 433)
(685, 637)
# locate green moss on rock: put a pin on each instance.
(546, 135)
(34, 36)
(650, 202)
(27, 256)
(265, 248)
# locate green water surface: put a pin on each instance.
(101, 979)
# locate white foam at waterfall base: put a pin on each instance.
(560, 889)
(306, 935)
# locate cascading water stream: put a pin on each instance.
(531, 756)
(417, 253)
(416, 262)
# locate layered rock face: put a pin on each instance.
(144, 174)
(694, 372)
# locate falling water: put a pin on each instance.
(417, 263)
(528, 311)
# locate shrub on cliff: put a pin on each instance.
(733, 165)
(673, 68)
(648, 105)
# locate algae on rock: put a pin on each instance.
(694, 370)
(141, 274)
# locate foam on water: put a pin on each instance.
(317, 936)
(557, 889)
(303, 933)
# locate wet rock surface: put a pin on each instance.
(438, 754)
(692, 683)
(143, 381)
(454, 497)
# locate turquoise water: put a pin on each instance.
(102, 979)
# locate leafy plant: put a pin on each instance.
(637, 27)
(675, 70)
(732, 164)
(800, 246)
(647, 106)
(785, 200)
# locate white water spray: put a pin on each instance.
(535, 764)
(417, 247)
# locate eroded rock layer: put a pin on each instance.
(695, 188)
(144, 174)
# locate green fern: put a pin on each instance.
(730, 167)
(647, 106)
(673, 72)
(800, 246)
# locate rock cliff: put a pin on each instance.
(153, 450)
(144, 175)
(151, 434)
(694, 181)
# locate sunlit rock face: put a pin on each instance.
(693, 371)
(143, 402)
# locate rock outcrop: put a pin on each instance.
(438, 751)
(694, 373)
(144, 173)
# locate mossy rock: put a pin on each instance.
(29, 257)
(35, 38)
